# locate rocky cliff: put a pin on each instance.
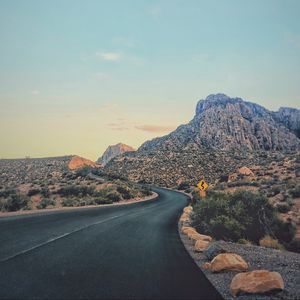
(224, 134)
(113, 151)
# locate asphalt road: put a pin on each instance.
(128, 251)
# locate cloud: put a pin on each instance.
(35, 92)
(109, 56)
(119, 126)
(154, 128)
(107, 106)
(155, 11)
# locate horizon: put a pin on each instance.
(79, 76)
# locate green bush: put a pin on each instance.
(76, 190)
(45, 202)
(101, 200)
(295, 192)
(125, 192)
(183, 185)
(14, 202)
(69, 202)
(283, 207)
(33, 192)
(240, 215)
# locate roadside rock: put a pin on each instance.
(228, 262)
(256, 282)
(245, 171)
(188, 209)
(198, 236)
(184, 217)
(213, 250)
(187, 229)
(201, 245)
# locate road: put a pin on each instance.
(129, 251)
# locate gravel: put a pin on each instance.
(258, 258)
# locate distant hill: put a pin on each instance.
(224, 134)
(113, 151)
(78, 162)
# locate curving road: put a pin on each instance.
(129, 251)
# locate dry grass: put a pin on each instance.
(269, 242)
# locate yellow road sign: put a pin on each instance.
(202, 185)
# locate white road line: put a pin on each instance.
(57, 238)
(71, 232)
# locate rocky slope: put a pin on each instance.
(78, 162)
(113, 151)
(224, 134)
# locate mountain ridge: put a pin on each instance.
(225, 133)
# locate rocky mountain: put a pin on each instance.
(290, 118)
(113, 151)
(230, 123)
(224, 134)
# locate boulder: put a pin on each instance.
(228, 262)
(256, 282)
(198, 236)
(201, 245)
(188, 209)
(187, 229)
(245, 171)
(184, 217)
(213, 250)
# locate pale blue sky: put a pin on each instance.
(76, 76)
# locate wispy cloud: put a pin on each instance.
(155, 11)
(154, 128)
(107, 106)
(109, 56)
(35, 92)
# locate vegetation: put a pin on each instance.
(14, 201)
(45, 202)
(240, 215)
(269, 242)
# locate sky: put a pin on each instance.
(77, 76)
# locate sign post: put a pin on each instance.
(202, 186)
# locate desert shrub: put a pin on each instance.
(14, 202)
(295, 192)
(242, 214)
(183, 185)
(45, 202)
(7, 192)
(45, 192)
(275, 190)
(268, 242)
(113, 196)
(76, 190)
(283, 207)
(125, 192)
(294, 246)
(146, 191)
(223, 178)
(68, 202)
(283, 231)
(244, 242)
(83, 172)
(33, 192)
(101, 200)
